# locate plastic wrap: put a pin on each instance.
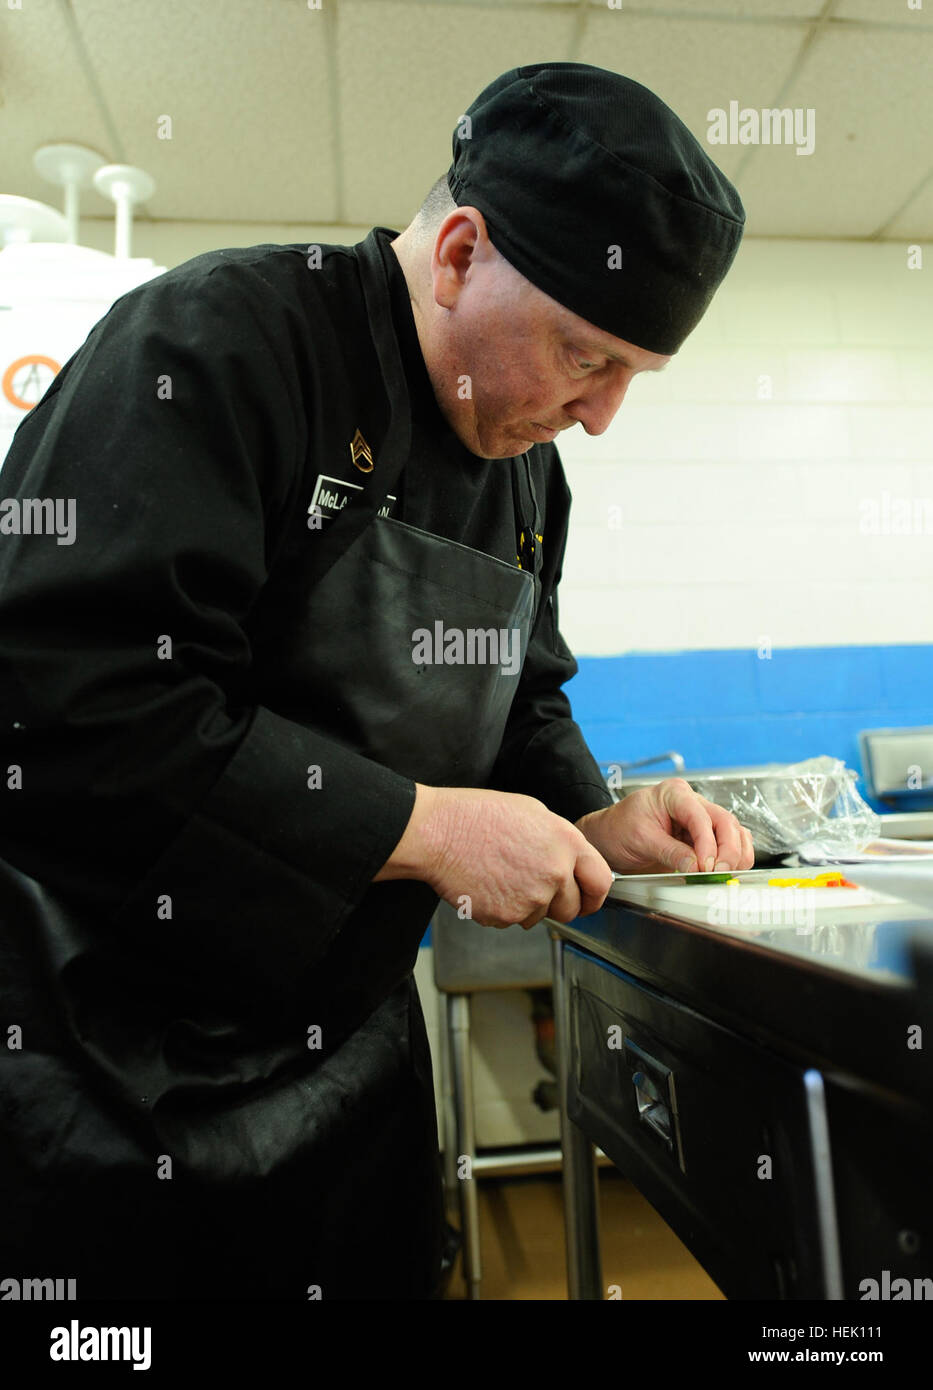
(813, 805)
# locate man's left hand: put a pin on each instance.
(668, 828)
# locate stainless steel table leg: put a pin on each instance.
(581, 1194)
(458, 1029)
(449, 1113)
(820, 1149)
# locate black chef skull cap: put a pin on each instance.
(599, 195)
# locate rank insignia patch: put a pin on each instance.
(361, 454)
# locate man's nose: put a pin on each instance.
(598, 401)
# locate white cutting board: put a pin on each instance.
(911, 881)
(753, 904)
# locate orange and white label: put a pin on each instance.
(26, 380)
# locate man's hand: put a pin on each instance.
(511, 858)
(668, 828)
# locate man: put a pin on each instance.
(298, 677)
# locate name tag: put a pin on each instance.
(331, 495)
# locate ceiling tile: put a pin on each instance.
(696, 67)
(258, 129)
(732, 9)
(884, 12)
(915, 222)
(872, 95)
(407, 72)
(247, 94)
(44, 97)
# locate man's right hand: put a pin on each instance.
(514, 859)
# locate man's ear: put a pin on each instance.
(461, 239)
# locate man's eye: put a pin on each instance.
(583, 364)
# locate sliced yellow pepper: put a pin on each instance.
(828, 880)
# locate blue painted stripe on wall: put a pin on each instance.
(722, 708)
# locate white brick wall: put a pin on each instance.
(743, 516)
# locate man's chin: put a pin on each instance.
(499, 449)
(506, 444)
(509, 445)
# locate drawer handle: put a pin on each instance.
(651, 1107)
(656, 1098)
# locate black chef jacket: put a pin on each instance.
(202, 420)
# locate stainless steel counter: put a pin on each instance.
(737, 1052)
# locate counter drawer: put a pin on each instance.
(714, 1130)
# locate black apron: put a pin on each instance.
(185, 1151)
